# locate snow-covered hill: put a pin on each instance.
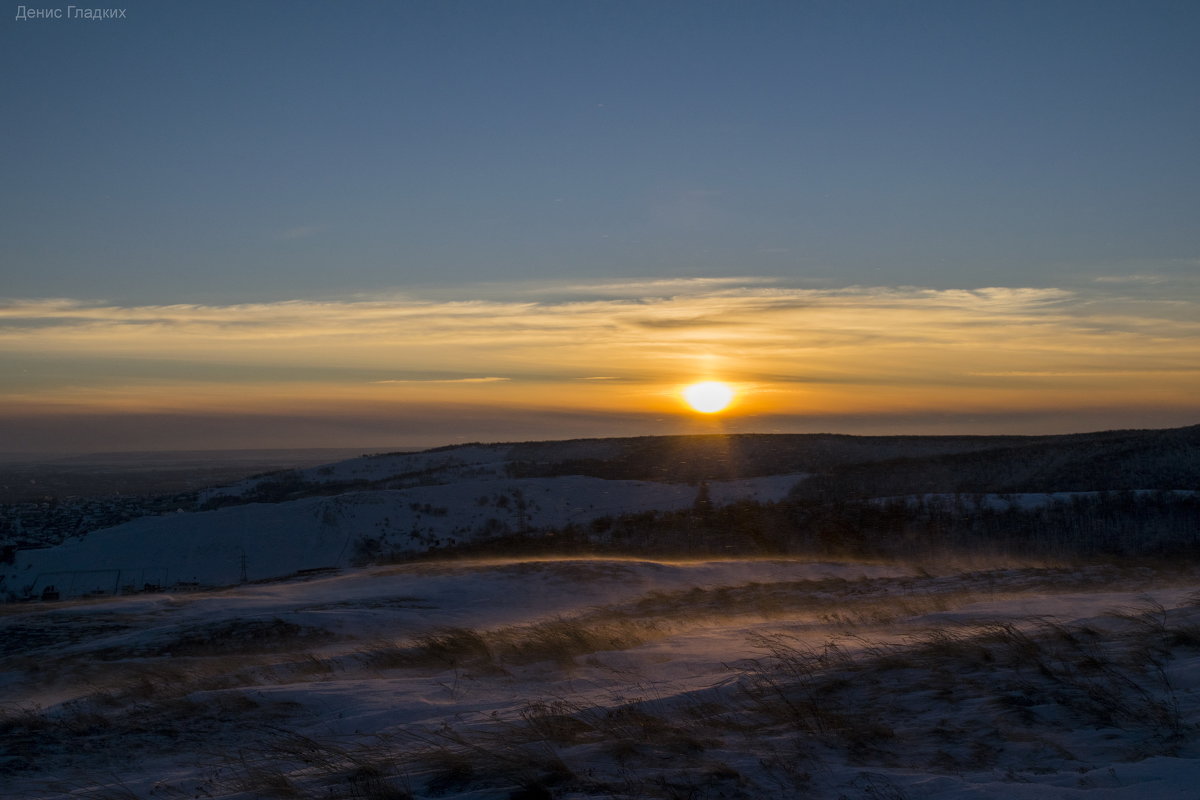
(371, 507)
(444, 497)
(397, 470)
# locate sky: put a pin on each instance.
(300, 224)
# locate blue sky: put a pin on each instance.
(224, 154)
(225, 151)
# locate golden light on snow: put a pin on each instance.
(708, 397)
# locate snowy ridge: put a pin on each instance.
(443, 465)
(256, 541)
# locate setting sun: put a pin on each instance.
(708, 397)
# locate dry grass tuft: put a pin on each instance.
(559, 641)
(874, 703)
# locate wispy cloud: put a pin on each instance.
(804, 349)
(647, 288)
(1137, 278)
(443, 380)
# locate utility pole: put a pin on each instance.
(243, 565)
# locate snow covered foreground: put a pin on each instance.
(614, 679)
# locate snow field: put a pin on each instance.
(271, 540)
(614, 678)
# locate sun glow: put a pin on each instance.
(708, 397)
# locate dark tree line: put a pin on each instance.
(1105, 524)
